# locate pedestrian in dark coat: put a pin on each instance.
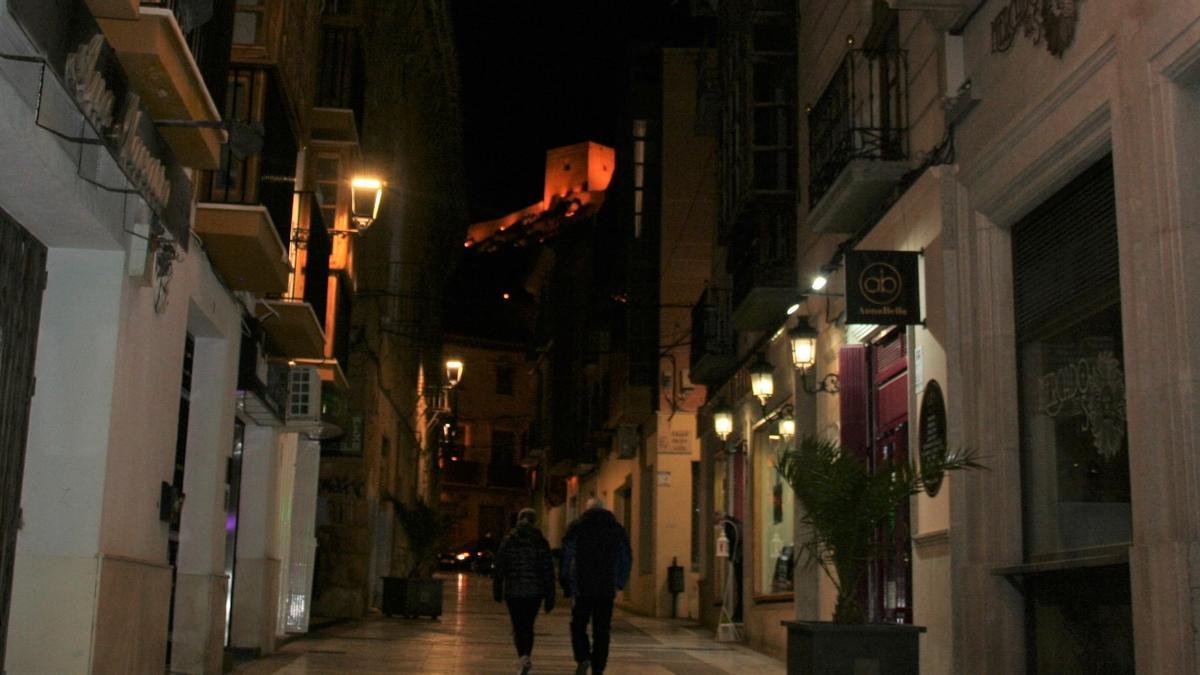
(524, 579)
(595, 565)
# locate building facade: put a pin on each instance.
(1043, 210)
(184, 197)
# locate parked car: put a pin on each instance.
(476, 556)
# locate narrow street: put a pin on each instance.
(473, 637)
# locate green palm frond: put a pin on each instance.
(845, 503)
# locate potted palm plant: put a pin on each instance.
(417, 593)
(845, 503)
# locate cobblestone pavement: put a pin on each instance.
(473, 636)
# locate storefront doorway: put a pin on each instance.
(873, 400)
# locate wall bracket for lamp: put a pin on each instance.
(826, 385)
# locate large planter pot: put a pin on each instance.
(412, 597)
(823, 648)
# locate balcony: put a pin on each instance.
(254, 101)
(712, 350)
(262, 386)
(858, 140)
(292, 327)
(284, 35)
(114, 9)
(154, 50)
(762, 260)
(244, 246)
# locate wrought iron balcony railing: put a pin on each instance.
(763, 250)
(712, 331)
(862, 114)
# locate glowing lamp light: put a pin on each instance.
(793, 308)
(787, 427)
(804, 346)
(723, 422)
(762, 380)
(365, 197)
(462, 556)
(454, 371)
(819, 282)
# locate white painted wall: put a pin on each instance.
(54, 583)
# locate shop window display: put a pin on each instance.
(775, 518)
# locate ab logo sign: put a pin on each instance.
(883, 287)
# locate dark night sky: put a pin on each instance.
(537, 74)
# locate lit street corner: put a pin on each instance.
(473, 637)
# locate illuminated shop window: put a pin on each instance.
(774, 513)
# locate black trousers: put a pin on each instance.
(597, 609)
(523, 612)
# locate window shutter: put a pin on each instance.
(1065, 257)
(853, 388)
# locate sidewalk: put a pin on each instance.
(473, 637)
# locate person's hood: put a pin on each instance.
(526, 532)
(598, 517)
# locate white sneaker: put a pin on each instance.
(526, 666)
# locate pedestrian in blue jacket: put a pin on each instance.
(524, 579)
(595, 565)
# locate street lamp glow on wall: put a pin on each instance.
(365, 197)
(762, 380)
(454, 371)
(723, 422)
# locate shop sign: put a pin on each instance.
(674, 441)
(75, 50)
(1049, 21)
(883, 288)
(932, 433)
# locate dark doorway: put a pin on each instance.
(22, 280)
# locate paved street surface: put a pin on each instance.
(473, 637)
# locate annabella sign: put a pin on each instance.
(883, 287)
(75, 50)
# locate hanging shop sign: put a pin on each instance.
(1049, 21)
(883, 288)
(932, 433)
(75, 50)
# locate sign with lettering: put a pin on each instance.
(76, 52)
(932, 433)
(883, 288)
(675, 440)
(1052, 21)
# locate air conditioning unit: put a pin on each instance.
(304, 395)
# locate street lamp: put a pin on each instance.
(804, 346)
(365, 197)
(723, 422)
(804, 356)
(454, 371)
(787, 426)
(762, 380)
